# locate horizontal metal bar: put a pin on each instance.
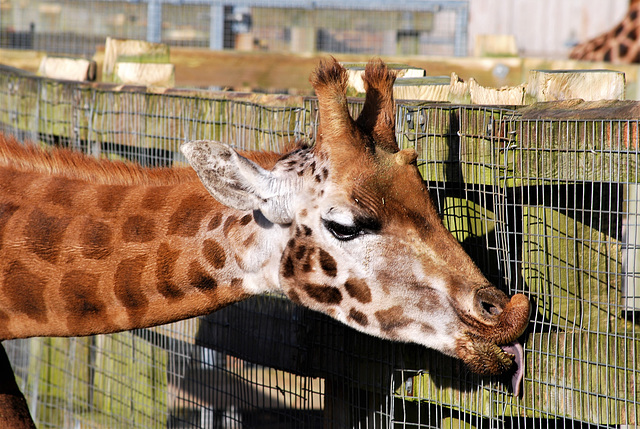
(414, 5)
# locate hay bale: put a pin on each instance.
(77, 69)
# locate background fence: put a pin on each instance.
(545, 202)
(302, 26)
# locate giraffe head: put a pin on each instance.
(361, 239)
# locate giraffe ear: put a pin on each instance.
(238, 182)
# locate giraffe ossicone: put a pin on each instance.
(345, 227)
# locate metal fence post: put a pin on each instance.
(154, 21)
(460, 37)
(216, 27)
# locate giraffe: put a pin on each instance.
(619, 45)
(345, 226)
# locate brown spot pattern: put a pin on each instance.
(6, 212)
(61, 191)
(246, 219)
(307, 265)
(111, 197)
(358, 289)
(96, 239)
(427, 329)
(199, 279)
(300, 252)
(392, 319)
(293, 296)
(138, 229)
(228, 224)
(25, 291)
(165, 265)
(249, 240)
(128, 287)
(155, 197)
(236, 285)
(322, 293)
(81, 298)
(327, 263)
(44, 235)
(214, 254)
(215, 221)
(14, 182)
(186, 220)
(359, 317)
(287, 268)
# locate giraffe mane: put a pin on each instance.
(76, 165)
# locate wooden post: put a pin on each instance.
(356, 70)
(428, 88)
(471, 92)
(631, 248)
(495, 45)
(589, 85)
(132, 51)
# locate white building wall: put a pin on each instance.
(544, 28)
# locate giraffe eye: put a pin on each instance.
(342, 232)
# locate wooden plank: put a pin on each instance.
(130, 372)
(562, 381)
(586, 376)
(356, 71)
(429, 130)
(429, 88)
(61, 366)
(18, 98)
(573, 270)
(578, 109)
(55, 108)
(590, 85)
(589, 150)
(116, 116)
(471, 92)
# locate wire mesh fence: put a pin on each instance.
(77, 27)
(545, 206)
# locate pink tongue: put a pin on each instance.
(516, 380)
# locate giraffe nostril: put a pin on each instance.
(491, 301)
(491, 309)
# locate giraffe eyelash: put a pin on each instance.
(342, 232)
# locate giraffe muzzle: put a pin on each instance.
(492, 349)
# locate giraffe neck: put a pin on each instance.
(621, 44)
(103, 247)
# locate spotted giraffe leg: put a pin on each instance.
(14, 412)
